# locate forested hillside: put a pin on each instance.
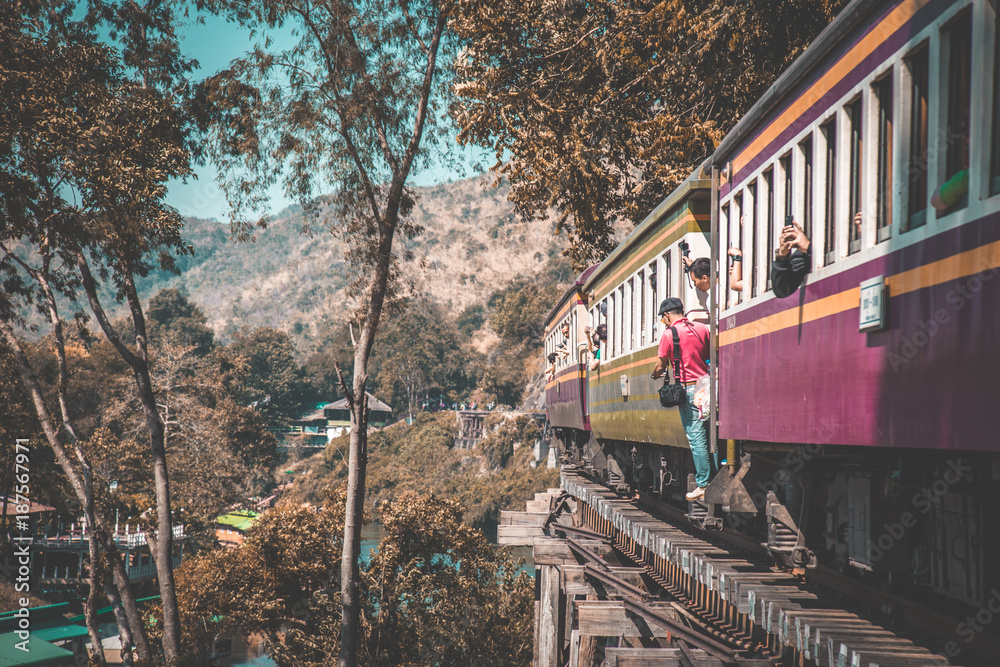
(471, 246)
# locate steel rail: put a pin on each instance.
(706, 644)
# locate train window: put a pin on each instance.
(613, 334)
(769, 245)
(830, 202)
(728, 242)
(995, 139)
(916, 201)
(786, 170)
(806, 149)
(752, 222)
(653, 303)
(604, 347)
(883, 180)
(667, 273)
(574, 353)
(738, 213)
(958, 108)
(620, 321)
(641, 306)
(857, 146)
(628, 331)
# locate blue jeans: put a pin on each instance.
(705, 464)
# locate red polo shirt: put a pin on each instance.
(694, 348)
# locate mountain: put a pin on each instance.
(472, 245)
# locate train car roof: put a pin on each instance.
(692, 187)
(784, 88)
(577, 285)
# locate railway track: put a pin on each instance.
(715, 596)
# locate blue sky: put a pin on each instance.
(213, 44)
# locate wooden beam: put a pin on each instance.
(608, 618)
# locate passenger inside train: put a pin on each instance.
(594, 340)
(550, 372)
(692, 338)
(700, 275)
(792, 260)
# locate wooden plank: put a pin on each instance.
(549, 639)
(574, 582)
(866, 657)
(509, 518)
(520, 536)
(608, 618)
(655, 657)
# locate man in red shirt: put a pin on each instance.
(693, 337)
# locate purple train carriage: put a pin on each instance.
(870, 398)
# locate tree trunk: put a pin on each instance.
(124, 634)
(89, 610)
(350, 629)
(139, 363)
(79, 486)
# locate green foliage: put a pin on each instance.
(517, 315)
(263, 373)
(172, 317)
(502, 434)
(420, 353)
(517, 312)
(435, 591)
(600, 109)
(471, 320)
(421, 458)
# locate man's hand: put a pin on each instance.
(798, 238)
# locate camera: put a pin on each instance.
(685, 248)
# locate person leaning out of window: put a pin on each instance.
(792, 260)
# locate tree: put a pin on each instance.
(433, 592)
(173, 317)
(262, 373)
(89, 138)
(600, 109)
(419, 351)
(352, 105)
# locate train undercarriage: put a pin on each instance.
(922, 524)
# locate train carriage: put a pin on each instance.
(565, 392)
(870, 394)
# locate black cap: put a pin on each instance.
(671, 304)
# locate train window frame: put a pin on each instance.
(948, 164)
(883, 131)
(574, 340)
(621, 319)
(641, 298)
(603, 345)
(612, 308)
(654, 279)
(854, 115)
(770, 245)
(806, 174)
(628, 315)
(993, 184)
(726, 219)
(830, 133)
(787, 165)
(750, 194)
(737, 202)
(665, 274)
(915, 75)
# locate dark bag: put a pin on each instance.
(673, 394)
